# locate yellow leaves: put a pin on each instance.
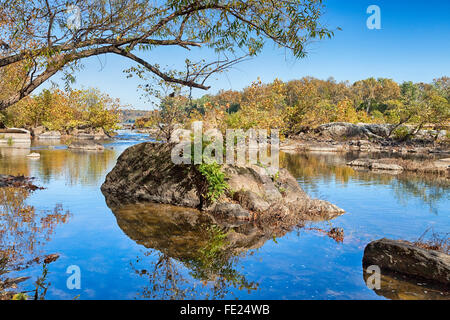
(345, 112)
(59, 110)
(262, 106)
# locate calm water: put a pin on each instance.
(139, 252)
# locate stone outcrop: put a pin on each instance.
(83, 133)
(15, 138)
(344, 130)
(441, 166)
(405, 258)
(51, 135)
(86, 145)
(366, 137)
(146, 173)
(79, 133)
(374, 164)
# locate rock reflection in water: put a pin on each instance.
(181, 237)
(399, 287)
(309, 167)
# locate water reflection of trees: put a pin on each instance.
(23, 233)
(85, 168)
(312, 168)
(189, 254)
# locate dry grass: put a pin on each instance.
(337, 234)
(435, 241)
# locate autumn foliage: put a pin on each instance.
(60, 110)
(307, 103)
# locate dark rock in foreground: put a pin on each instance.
(405, 258)
(397, 286)
(145, 173)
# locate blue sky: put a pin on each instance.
(412, 44)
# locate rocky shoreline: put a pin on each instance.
(345, 137)
(393, 165)
(81, 133)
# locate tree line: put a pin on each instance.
(297, 105)
(61, 110)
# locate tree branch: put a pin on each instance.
(156, 71)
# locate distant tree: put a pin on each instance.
(442, 85)
(365, 92)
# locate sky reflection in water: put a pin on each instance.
(158, 252)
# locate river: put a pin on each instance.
(155, 252)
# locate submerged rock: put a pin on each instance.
(86, 145)
(145, 172)
(405, 258)
(34, 155)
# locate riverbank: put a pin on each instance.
(344, 137)
(81, 133)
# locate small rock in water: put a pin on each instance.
(86, 145)
(34, 155)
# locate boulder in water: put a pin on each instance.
(146, 173)
(405, 258)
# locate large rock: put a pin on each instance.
(145, 172)
(86, 133)
(405, 258)
(15, 138)
(344, 130)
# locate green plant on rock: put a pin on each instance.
(401, 133)
(215, 178)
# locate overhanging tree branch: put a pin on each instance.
(34, 34)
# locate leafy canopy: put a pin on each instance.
(36, 33)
